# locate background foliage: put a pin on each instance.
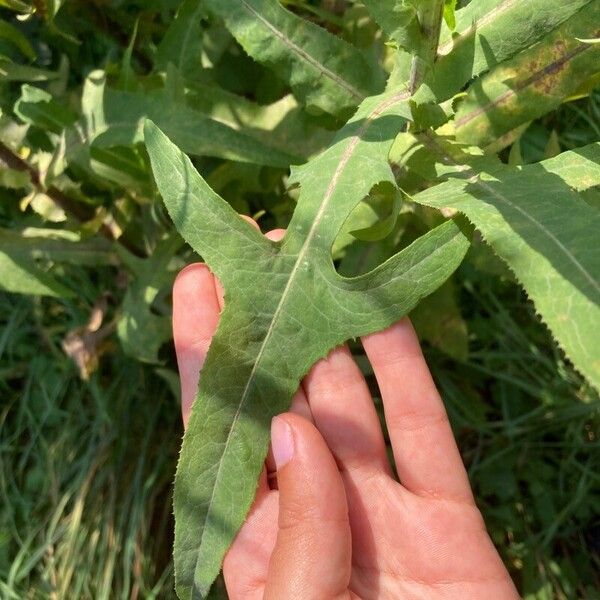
(89, 418)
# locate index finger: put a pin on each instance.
(195, 318)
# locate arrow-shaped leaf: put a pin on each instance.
(285, 308)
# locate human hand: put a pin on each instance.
(339, 525)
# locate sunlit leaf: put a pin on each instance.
(323, 71)
(531, 84)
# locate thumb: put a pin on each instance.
(313, 553)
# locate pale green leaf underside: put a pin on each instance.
(537, 223)
(285, 307)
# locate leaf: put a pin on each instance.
(22, 276)
(324, 71)
(415, 27)
(127, 74)
(382, 206)
(285, 307)
(546, 233)
(491, 31)
(450, 14)
(46, 244)
(399, 21)
(437, 320)
(283, 124)
(17, 5)
(115, 118)
(15, 37)
(37, 107)
(531, 84)
(182, 43)
(141, 331)
(10, 71)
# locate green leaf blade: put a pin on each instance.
(22, 276)
(489, 32)
(532, 83)
(546, 234)
(282, 313)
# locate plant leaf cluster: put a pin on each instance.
(364, 131)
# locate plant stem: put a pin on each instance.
(430, 15)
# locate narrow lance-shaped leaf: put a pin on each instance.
(285, 307)
(532, 83)
(324, 71)
(115, 118)
(536, 222)
(21, 275)
(491, 31)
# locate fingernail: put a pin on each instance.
(282, 442)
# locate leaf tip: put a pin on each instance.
(150, 131)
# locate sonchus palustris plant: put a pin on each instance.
(392, 115)
(461, 83)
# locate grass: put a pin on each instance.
(85, 469)
(528, 427)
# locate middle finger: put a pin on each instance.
(344, 413)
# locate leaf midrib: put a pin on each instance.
(477, 181)
(447, 47)
(352, 143)
(305, 56)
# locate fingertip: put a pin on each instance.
(189, 278)
(275, 235)
(251, 221)
(282, 441)
(312, 556)
(195, 319)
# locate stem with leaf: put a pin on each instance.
(430, 14)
